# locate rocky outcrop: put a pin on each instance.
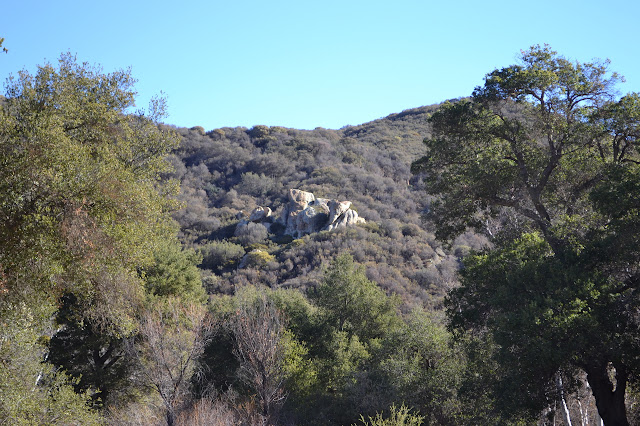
(299, 200)
(305, 214)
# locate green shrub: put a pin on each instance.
(220, 255)
(397, 417)
(257, 259)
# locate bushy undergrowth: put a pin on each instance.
(228, 172)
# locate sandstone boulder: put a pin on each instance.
(259, 214)
(306, 214)
(300, 199)
(303, 214)
(348, 218)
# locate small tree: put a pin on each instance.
(258, 332)
(353, 304)
(31, 391)
(96, 358)
(172, 336)
(397, 417)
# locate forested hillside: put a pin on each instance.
(151, 274)
(226, 171)
(356, 300)
(114, 313)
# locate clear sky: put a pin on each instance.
(307, 64)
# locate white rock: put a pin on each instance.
(300, 198)
(260, 213)
(305, 214)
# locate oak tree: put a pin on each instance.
(531, 160)
(82, 203)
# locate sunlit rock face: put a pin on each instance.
(306, 214)
(259, 214)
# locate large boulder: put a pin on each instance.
(347, 218)
(260, 214)
(306, 214)
(300, 199)
(307, 221)
(303, 214)
(337, 209)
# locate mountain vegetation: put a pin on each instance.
(548, 147)
(147, 275)
(228, 171)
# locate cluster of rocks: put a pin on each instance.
(305, 214)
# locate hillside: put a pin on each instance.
(224, 172)
(154, 274)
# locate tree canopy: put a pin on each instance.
(83, 209)
(83, 205)
(543, 158)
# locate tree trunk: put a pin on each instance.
(609, 396)
(565, 409)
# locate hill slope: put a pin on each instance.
(227, 171)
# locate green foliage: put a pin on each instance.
(397, 417)
(95, 358)
(335, 367)
(531, 142)
(223, 367)
(81, 187)
(615, 199)
(221, 255)
(32, 391)
(353, 316)
(540, 158)
(301, 375)
(85, 207)
(257, 259)
(344, 356)
(175, 273)
(350, 303)
(300, 313)
(529, 302)
(421, 367)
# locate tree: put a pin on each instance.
(259, 356)
(221, 255)
(171, 337)
(422, 368)
(82, 204)
(524, 160)
(353, 304)
(174, 273)
(32, 391)
(258, 331)
(96, 359)
(353, 317)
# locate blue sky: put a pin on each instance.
(312, 64)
